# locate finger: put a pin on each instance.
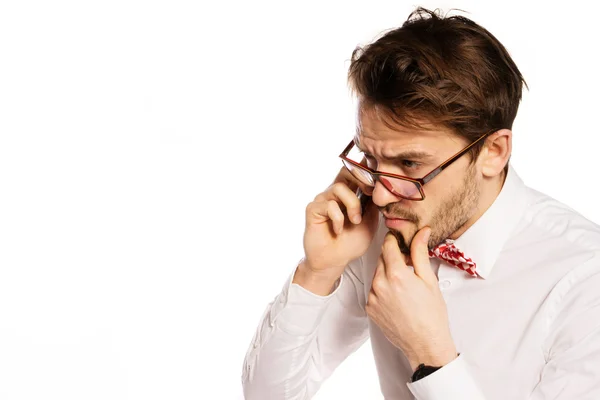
(325, 211)
(419, 251)
(336, 216)
(379, 277)
(348, 199)
(392, 257)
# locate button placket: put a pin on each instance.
(443, 279)
(445, 284)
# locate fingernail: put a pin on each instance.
(356, 218)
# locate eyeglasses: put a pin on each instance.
(399, 185)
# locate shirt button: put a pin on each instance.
(445, 284)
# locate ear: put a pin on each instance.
(496, 152)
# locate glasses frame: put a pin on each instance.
(419, 182)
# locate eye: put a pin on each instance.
(410, 164)
(371, 161)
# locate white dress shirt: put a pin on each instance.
(527, 328)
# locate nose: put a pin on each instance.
(382, 197)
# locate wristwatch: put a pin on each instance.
(422, 371)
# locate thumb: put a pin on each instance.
(419, 252)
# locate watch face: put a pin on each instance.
(422, 371)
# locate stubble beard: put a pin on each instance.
(448, 218)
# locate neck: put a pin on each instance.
(490, 192)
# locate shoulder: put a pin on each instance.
(559, 224)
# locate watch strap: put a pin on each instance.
(422, 371)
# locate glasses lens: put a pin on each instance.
(362, 175)
(401, 187)
(397, 186)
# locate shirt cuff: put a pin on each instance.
(299, 311)
(451, 382)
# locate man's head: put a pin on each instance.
(434, 86)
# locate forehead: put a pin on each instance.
(375, 129)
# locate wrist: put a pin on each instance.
(435, 358)
(422, 371)
(318, 282)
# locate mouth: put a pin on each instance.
(396, 223)
(391, 217)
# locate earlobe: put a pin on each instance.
(496, 152)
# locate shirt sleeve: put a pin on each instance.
(572, 347)
(302, 338)
(454, 381)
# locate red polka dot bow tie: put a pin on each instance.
(447, 251)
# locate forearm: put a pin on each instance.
(284, 361)
(278, 362)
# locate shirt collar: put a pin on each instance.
(484, 240)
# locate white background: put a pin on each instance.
(156, 158)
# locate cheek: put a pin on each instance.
(440, 187)
(437, 194)
(426, 209)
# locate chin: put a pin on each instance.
(402, 244)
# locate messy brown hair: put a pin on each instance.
(446, 71)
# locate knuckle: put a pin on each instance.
(311, 207)
(336, 187)
(371, 300)
(308, 210)
(376, 285)
(378, 279)
(395, 276)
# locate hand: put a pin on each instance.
(408, 306)
(332, 237)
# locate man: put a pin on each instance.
(470, 284)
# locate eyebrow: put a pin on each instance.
(417, 155)
(409, 155)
